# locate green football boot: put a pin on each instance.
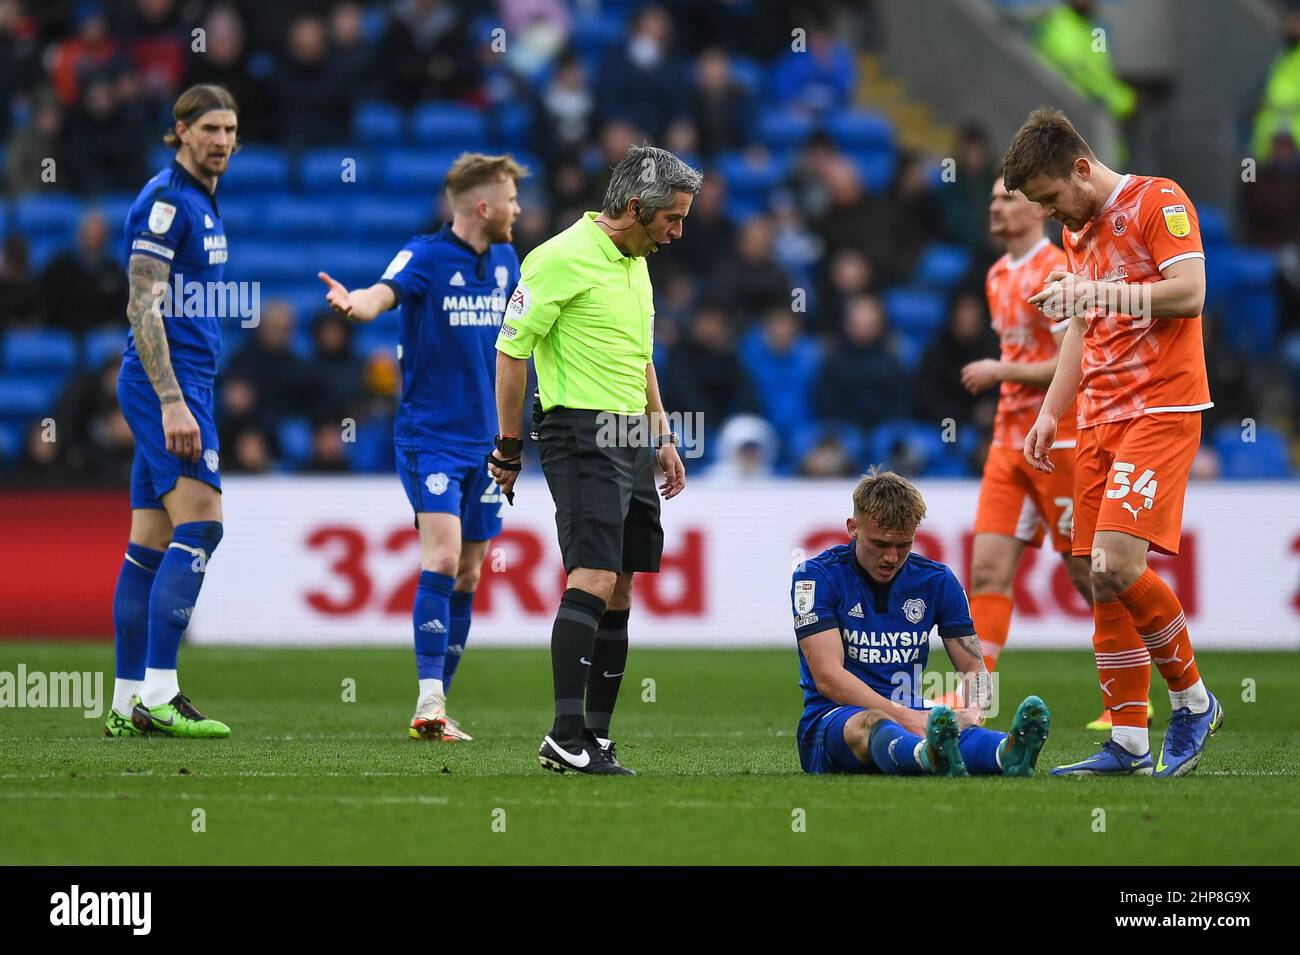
(1018, 753)
(119, 725)
(178, 718)
(940, 755)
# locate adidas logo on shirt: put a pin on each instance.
(433, 626)
(457, 279)
(856, 611)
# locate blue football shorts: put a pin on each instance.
(154, 469)
(453, 481)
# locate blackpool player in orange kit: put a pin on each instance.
(1019, 505)
(1133, 288)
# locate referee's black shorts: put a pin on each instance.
(606, 508)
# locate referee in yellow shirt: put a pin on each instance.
(585, 309)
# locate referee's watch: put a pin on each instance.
(668, 437)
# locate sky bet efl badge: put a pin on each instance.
(804, 595)
(1176, 221)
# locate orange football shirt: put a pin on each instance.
(1133, 365)
(1025, 334)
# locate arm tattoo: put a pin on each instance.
(144, 273)
(970, 644)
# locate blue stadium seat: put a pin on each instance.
(922, 443)
(593, 33)
(295, 441)
(256, 169)
(307, 299)
(242, 217)
(101, 344)
(1265, 458)
(41, 251)
(876, 167)
(27, 397)
(807, 436)
(373, 449)
(369, 339)
(740, 209)
(752, 173)
(12, 434)
(113, 206)
(350, 262)
(782, 130)
(858, 130)
(160, 157)
(915, 311)
(297, 215)
(43, 216)
(941, 266)
(378, 124)
(32, 350)
(270, 262)
(511, 128)
(449, 126)
(390, 217)
(1214, 226)
(1251, 302)
(750, 74)
(323, 170)
(408, 170)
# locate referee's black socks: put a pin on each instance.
(608, 661)
(572, 640)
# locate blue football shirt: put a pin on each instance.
(885, 628)
(452, 302)
(175, 219)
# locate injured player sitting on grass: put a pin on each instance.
(864, 613)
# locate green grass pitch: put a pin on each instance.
(309, 778)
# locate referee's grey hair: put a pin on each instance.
(651, 174)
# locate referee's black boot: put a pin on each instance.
(581, 755)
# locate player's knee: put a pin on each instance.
(440, 560)
(598, 583)
(989, 575)
(467, 578)
(1112, 574)
(199, 536)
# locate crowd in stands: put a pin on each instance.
(817, 313)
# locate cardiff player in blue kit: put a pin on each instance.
(174, 241)
(452, 286)
(863, 614)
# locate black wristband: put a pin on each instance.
(509, 447)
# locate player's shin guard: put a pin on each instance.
(462, 607)
(979, 750)
(175, 591)
(572, 639)
(1160, 622)
(131, 621)
(431, 618)
(1123, 665)
(893, 749)
(992, 616)
(608, 660)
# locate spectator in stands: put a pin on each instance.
(808, 178)
(26, 169)
(847, 275)
(538, 31)
(228, 63)
(328, 454)
(351, 57)
(20, 298)
(89, 51)
(1064, 38)
(967, 337)
(861, 381)
(828, 458)
(85, 287)
(428, 53)
(156, 45)
(107, 139)
(1277, 107)
(722, 106)
(245, 428)
(339, 372)
(917, 209)
(643, 82)
(315, 107)
(782, 362)
(283, 382)
(856, 219)
(747, 450)
(795, 247)
(20, 54)
(704, 375)
(93, 438)
(39, 460)
(964, 202)
(819, 79)
(1271, 204)
(713, 234)
(566, 113)
(251, 450)
(751, 279)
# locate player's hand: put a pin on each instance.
(1064, 295)
(981, 375)
(182, 431)
(337, 296)
(504, 477)
(1038, 442)
(969, 716)
(674, 471)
